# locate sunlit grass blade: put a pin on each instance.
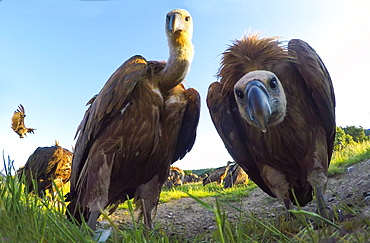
(314, 215)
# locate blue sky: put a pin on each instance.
(56, 54)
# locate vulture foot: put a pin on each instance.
(325, 211)
(329, 214)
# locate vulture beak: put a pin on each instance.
(259, 104)
(175, 23)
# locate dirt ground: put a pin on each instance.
(187, 218)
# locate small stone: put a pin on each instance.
(367, 200)
(279, 208)
(351, 169)
(331, 199)
(212, 227)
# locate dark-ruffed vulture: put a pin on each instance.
(274, 109)
(45, 166)
(18, 123)
(141, 121)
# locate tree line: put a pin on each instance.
(350, 134)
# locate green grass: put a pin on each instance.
(210, 190)
(350, 155)
(200, 191)
(27, 218)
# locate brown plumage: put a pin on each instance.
(217, 175)
(141, 121)
(18, 123)
(45, 165)
(191, 178)
(175, 177)
(235, 175)
(274, 109)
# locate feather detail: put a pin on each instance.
(295, 151)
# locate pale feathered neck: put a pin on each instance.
(178, 64)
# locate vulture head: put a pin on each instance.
(179, 24)
(261, 99)
(179, 30)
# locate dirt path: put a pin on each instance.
(187, 218)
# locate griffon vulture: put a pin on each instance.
(235, 175)
(191, 178)
(274, 109)
(176, 177)
(45, 165)
(217, 175)
(141, 121)
(18, 122)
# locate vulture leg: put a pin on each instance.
(94, 215)
(322, 208)
(146, 199)
(278, 184)
(287, 203)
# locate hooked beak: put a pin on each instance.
(259, 105)
(175, 23)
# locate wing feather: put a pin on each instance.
(188, 130)
(318, 81)
(104, 106)
(18, 118)
(18, 122)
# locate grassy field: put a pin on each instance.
(26, 218)
(350, 155)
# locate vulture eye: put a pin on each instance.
(273, 83)
(240, 94)
(187, 18)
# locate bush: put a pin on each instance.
(357, 133)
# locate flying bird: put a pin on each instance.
(274, 108)
(18, 123)
(45, 166)
(141, 121)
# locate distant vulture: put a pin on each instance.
(191, 178)
(142, 120)
(217, 175)
(18, 122)
(235, 175)
(175, 178)
(274, 109)
(45, 165)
